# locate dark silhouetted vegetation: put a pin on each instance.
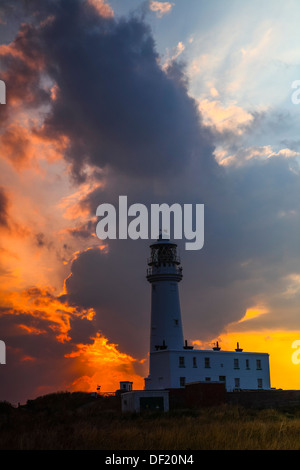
(79, 421)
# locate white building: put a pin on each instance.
(173, 363)
(142, 400)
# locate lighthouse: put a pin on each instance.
(164, 274)
(173, 363)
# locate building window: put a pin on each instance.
(194, 362)
(222, 378)
(258, 364)
(237, 383)
(259, 383)
(247, 364)
(182, 381)
(207, 379)
(181, 361)
(236, 364)
(207, 363)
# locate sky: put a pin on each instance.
(164, 102)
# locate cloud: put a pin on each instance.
(103, 8)
(98, 281)
(133, 115)
(231, 118)
(3, 209)
(160, 8)
(85, 230)
(126, 113)
(53, 346)
(255, 153)
(172, 58)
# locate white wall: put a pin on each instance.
(131, 400)
(165, 312)
(165, 369)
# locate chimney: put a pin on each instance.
(217, 348)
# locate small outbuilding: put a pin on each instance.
(145, 400)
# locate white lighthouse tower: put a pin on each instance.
(166, 335)
(164, 274)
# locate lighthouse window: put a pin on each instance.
(194, 362)
(247, 364)
(207, 362)
(259, 383)
(182, 381)
(176, 322)
(236, 364)
(237, 383)
(181, 361)
(258, 364)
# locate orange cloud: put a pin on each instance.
(160, 8)
(32, 330)
(97, 363)
(73, 204)
(102, 8)
(24, 148)
(225, 118)
(107, 365)
(41, 303)
(253, 313)
(14, 50)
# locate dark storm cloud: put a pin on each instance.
(113, 100)
(118, 107)
(85, 230)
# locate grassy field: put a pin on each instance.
(78, 421)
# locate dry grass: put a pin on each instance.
(76, 421)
